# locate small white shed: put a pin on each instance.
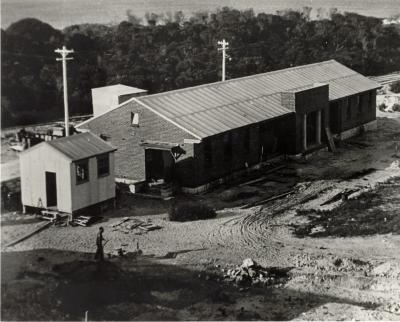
(68, 174)
(108, 97)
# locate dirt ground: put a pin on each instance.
(335, 236)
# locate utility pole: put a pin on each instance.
(224, 47)
(64, 53)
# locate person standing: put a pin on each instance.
(99, 244)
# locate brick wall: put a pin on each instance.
(130, 157)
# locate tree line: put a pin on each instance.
(166, 52)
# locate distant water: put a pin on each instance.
(62, 13)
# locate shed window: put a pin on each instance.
(134, 119)
(82, 171)
(103, 165)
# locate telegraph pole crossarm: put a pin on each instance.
(224, 47)
(64, 53)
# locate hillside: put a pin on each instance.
(169, 52)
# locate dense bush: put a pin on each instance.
(395, 87)
(177, 51)
(190, 210)
(396, 107)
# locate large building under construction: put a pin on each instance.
(201, 135)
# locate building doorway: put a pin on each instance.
(51, 189)
(159, 164)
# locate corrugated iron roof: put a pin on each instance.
(81, 146)
(210, 109)
(386, 79)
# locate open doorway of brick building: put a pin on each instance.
(159, 165)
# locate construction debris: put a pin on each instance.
(264, 177)
(331, 142)
(343, 195)
(250, 273)
(127, 225)
(84, 220)
(264, 201)
(63, 219)
(52, 215)
(120, 222)
(121, 251)
(358, 143)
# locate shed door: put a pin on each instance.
(51, 189)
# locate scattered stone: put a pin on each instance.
(250, 273)
(248, 262)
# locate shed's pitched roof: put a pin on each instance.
(81, 146)
(214, 108)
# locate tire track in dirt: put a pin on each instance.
(258, 229)
(247, 231)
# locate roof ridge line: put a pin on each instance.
(167, 119)
(263, 96)
(235, 79)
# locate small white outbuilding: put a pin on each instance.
(68, 174)
(108, 97)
